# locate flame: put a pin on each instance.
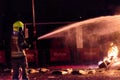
(112, 60)
(113, 51)
(112, 54)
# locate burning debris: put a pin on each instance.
(111, 61)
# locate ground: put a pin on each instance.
(56, 73)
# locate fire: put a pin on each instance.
(112, 56)
(112, 53)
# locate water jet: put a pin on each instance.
(88, 40)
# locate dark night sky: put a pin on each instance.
(67, 10)
(71, 10)
(56, 10)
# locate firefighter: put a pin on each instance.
(18, 56)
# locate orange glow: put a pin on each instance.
(112, 53)
(111, 61)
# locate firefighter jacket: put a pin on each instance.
(17, 44)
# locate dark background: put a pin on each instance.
(56, 10)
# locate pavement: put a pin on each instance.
(67, 72)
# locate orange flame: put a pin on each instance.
(112, 56)
(113, 51)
